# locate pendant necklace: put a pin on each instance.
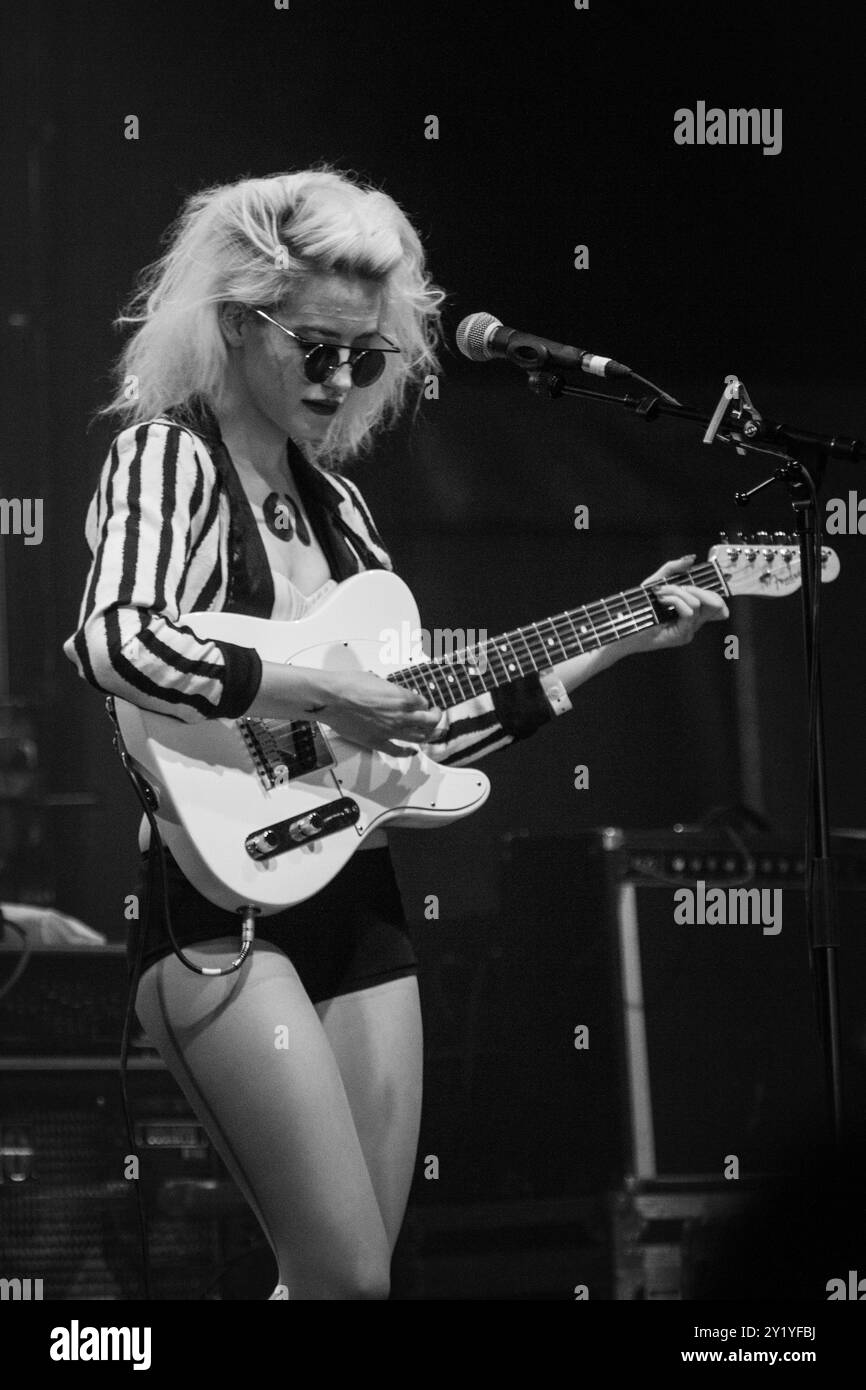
(283, 518)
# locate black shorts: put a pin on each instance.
(351, 935)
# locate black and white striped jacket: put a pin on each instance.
(171, 531)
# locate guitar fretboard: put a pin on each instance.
(449, 680)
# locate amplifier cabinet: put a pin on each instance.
(68, 1212)
(702, 1037)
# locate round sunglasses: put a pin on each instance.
(321, 360)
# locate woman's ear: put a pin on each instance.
(232, 319)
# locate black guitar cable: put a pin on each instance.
(156, 857)
(135, 972)
(156, 850)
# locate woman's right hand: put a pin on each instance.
(371, 711)
(359, 706)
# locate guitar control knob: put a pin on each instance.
(262, 843)
(306, 828)
(297, 830)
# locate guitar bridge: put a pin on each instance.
(283, 751)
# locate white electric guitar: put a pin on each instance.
(264, 813)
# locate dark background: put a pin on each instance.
(556, 128)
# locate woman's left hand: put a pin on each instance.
(694, 607)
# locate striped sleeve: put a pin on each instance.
(484, 723)
(356, 514)
(155, 512)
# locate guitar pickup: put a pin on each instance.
(281, 752)
(300, 830)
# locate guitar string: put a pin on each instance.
(453, 670)
(448, 676)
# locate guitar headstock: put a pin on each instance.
(767, 565)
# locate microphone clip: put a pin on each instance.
(736, 403)
(549, 384)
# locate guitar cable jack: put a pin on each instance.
(248, 934)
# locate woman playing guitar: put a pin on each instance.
(289, 318)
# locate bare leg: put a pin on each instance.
(376, 1037)
(278, 1115)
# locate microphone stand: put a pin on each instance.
(801, 457)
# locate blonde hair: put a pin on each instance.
(253, 242)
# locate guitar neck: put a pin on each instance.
(449, 680)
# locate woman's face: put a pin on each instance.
(329, 308)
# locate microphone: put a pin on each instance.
(482, 337)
